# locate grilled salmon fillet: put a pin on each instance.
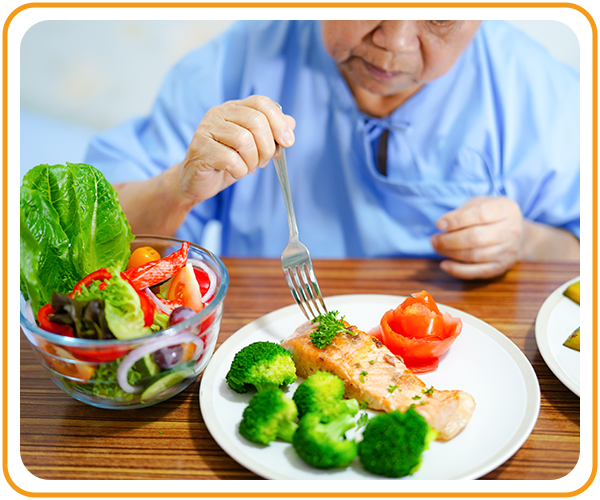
(375, 376)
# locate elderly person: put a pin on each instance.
(456, 140)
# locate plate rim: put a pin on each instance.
(541, 338)
(520, 435)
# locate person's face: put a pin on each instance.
(395, 57)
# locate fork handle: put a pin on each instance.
(281, 169)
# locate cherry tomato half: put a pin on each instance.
(184, 288)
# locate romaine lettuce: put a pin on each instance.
(71, 224)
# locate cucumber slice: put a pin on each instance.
(147, 367)
(164, 383)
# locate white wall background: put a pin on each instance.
(98, 73)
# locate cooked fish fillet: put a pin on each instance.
(370, 372)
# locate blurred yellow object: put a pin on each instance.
(572, 291)
(573, 340)
(141, 256)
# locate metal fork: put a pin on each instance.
(295, 258)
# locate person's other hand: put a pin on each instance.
(232, 141)
(481, 238)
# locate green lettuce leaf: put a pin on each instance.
(71, 224)
(122, 306)
(46, 265)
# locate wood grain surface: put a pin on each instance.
(62, 438)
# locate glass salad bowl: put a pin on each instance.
(124, 374)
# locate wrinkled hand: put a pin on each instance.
(232, 141)
(481, 238)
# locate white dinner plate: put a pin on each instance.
(556, 320)
(482, 362)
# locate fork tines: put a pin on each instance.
(305, 290)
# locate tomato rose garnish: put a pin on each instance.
(418, 332)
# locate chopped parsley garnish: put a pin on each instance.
(416, 397)
(329, 327)
(429, 391)
(362, 420)
(372, 361)
(362, 376)
(392, 388)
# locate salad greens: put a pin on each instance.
(85, 317)
(123, 310)
(71, 224)
(105, 309)
(104, 382)
(75, 250)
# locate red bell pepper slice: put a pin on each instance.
(148, 307)
(203, 281)
(100, 355)
(49, 326)
(99, 274)
(156, 271)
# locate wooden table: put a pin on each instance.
(64, 439)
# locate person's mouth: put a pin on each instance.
(381, 73)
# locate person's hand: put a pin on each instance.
(482, 238)
(232, 141)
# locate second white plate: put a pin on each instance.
(482, 362)
(556, 320)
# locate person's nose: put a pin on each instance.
(397, 36)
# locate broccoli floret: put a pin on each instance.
(322, 393)
(324, 445)
(265, 365)
(269, 415)
(393, 443)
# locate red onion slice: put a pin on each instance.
(29, 316)
(139, 352)
(163, 307)
(212, 278)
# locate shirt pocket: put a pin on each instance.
(469, 174)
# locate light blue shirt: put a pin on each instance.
(503, 121)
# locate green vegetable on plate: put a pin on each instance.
(269, 415)
(393, 443)
(263, 365)
(322, 393)
(324, 444)
(329, 325)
